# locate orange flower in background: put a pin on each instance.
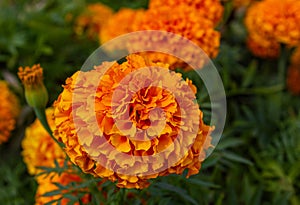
(275, 19)
(46, 184)
(120, 23)
(181, 20)
(209, 9)
(148, 107)
(93, 19)
(264, 48)
(9, 110)
(39, 149)
(184, 21)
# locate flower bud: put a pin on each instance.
(35, 91)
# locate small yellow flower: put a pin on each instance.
(9, 110)
(35, 91)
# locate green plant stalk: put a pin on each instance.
(41, 115)
(282, 65)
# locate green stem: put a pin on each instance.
(282, 64)
(41, 115)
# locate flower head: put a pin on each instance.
(208, 9)
(119, 23)
(94, 17)
(39, 149)
(275, 19)
(261, 47)
(9, 109)
(117, 137)
(182, 20)
(35, 90)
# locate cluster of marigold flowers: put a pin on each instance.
(269, 24)
(195, 20)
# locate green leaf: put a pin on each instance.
(236, 158)
(203, 183)
(250, 74)
(182, 193)
(229, 142)
(53, 193)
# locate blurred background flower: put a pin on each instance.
(91, 21)
(275, 19)
(9, 109)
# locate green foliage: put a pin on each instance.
(17, 187)
(257, 160)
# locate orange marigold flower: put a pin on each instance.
(264, 48)
(35, 90)
(93, 19)
(293, 78)
(118, 24)
(46, 184)
(84, 138)
(275, 19)
(9, 110)
(181, 20)
(39, 149)
(208, 9)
